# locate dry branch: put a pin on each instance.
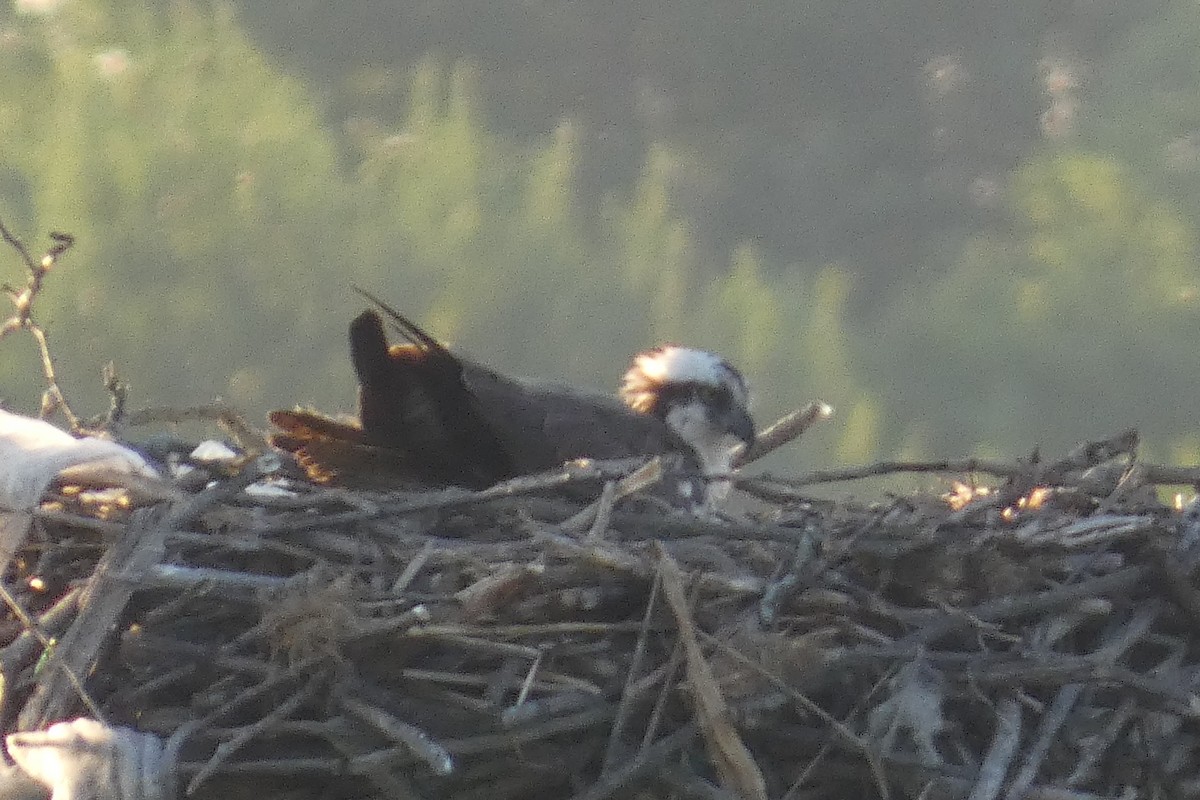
(784, 430)
(733, 760)
(22, 318)
(464, 645)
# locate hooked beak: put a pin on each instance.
(738, 423)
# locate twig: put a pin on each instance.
(49, 647)
(233, 583)
(508, 740)
(735, 765)
(552, 705)
(827, 745)
(530, 676)
(1157, 474)
(802, 700)
(1003, 608)
(1001, 469)
(270, 683)
(640, 526)
(35, 639)
(19, 246)
(108, 592)
(411, 738)
(786, 429)
(245, 734)
(227, 417)
(287, 767)
(22, 300)
(1093, 748)
(1176, 579)
(1000, 754)
(1115, 645)
(442, 634)
(118, 394)
(547, 682)
(412, 569)
(419, 502)
(617, 782)
(957, 787)
(625, 706)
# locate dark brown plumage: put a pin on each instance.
(414, 398)
(437, 419)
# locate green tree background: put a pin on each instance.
(965, 241)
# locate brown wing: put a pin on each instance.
(412, 398)
(547, 424)
(543, 425)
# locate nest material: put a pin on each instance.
(1035, 642)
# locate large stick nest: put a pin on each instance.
(1034, 641)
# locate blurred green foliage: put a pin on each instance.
(866, 203)
(1072, 324)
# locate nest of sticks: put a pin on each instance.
(1028, 636)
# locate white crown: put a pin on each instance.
(669, 364)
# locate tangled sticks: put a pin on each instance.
(462, 644)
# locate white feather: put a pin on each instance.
(671, 364)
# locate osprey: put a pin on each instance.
(440, 419)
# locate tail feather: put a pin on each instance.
(406, 327)
(302, 424)
(334, 451)
(369, 350)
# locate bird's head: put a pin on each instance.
(699, 395)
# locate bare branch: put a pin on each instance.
(786, 429)
(22, 318)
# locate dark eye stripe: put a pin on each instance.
(734, 376)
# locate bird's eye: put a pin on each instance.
(714, 396)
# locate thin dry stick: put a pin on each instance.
(1000, 755)
(617, 782)
(1094, 748)
(228, 418)
(22, 319)
(289, 767)
(1156, 474)
(1117, 643)
(827, 747)
(51, 651)
(411, 570)
(599, 513)
(23, 650)
(413, 739)
(459, 498)
(118, 394)
(244, 735)
(108, 591)
(1010, 606)
(530, 675)
(786, 429)
(668, 677)
(625, 706)
(19, 246)
(957, 787)
(508, 741)
(999, 468)
(735, 764)
(808, 705)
